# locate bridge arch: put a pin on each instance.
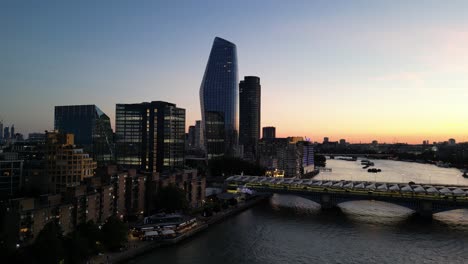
(336, 201)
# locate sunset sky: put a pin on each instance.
(393, 71)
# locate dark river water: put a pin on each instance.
(289, 229)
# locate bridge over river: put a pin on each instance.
(422, 198)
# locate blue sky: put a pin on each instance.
(328, 68)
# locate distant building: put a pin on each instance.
(452, 142)
(11, 174)
(66, 165)
(12, 133)
(268, 151)
(198, 134)
(1, 131)
(150, 136)
(326, 140)
(91, 128)
(269, 132)
(289, 159)
(291, 156)
(191, 138)
(249, 115)
(37, 137)
(219, 100)
(6, 133)
(375, 142)
(308, 162)
(343, 142)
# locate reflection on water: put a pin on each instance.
(290, 229)
(393, 171)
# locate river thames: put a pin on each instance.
(290, 229)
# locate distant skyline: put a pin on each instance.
(392, 71)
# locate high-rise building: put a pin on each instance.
(150, 136)
(219, 100)
(12, 133)
(191, 137)
(6, 133)
(326, 140)
(308, 162)
(91, 128)
(249, 115)
(269, 132)
(11, 174)
(198, 134)
(1, 130)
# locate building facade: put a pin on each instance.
(150, 136)
(249, 115)
(65, 164)
(11, 175)
(6, 133)
(269, 132)
(219, 100)
(91, 127)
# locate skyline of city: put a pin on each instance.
(398, 78)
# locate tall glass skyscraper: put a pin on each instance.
(91, 128)
(249, 116)
(219, 100)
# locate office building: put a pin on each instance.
(6, 133)
(198, 135)
(219, 100)
(308, 162)
(11, 174)
(12, 133)
(269, 132)
(36, 137)
(291, 156)
(91, 128)
(191, 138)
(249, 115)
(1, 131)
(150, 136)
(66, 165)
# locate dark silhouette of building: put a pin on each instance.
(269, 132)
(198, 134)
(1, 130)
(218, 100)
(6, 133)
(150, 136)
(91, 128)
(191, 137)
(11, 174)
(12, 133)
(249, 115)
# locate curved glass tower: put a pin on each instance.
(219, 100)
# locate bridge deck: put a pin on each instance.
(381, 189)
